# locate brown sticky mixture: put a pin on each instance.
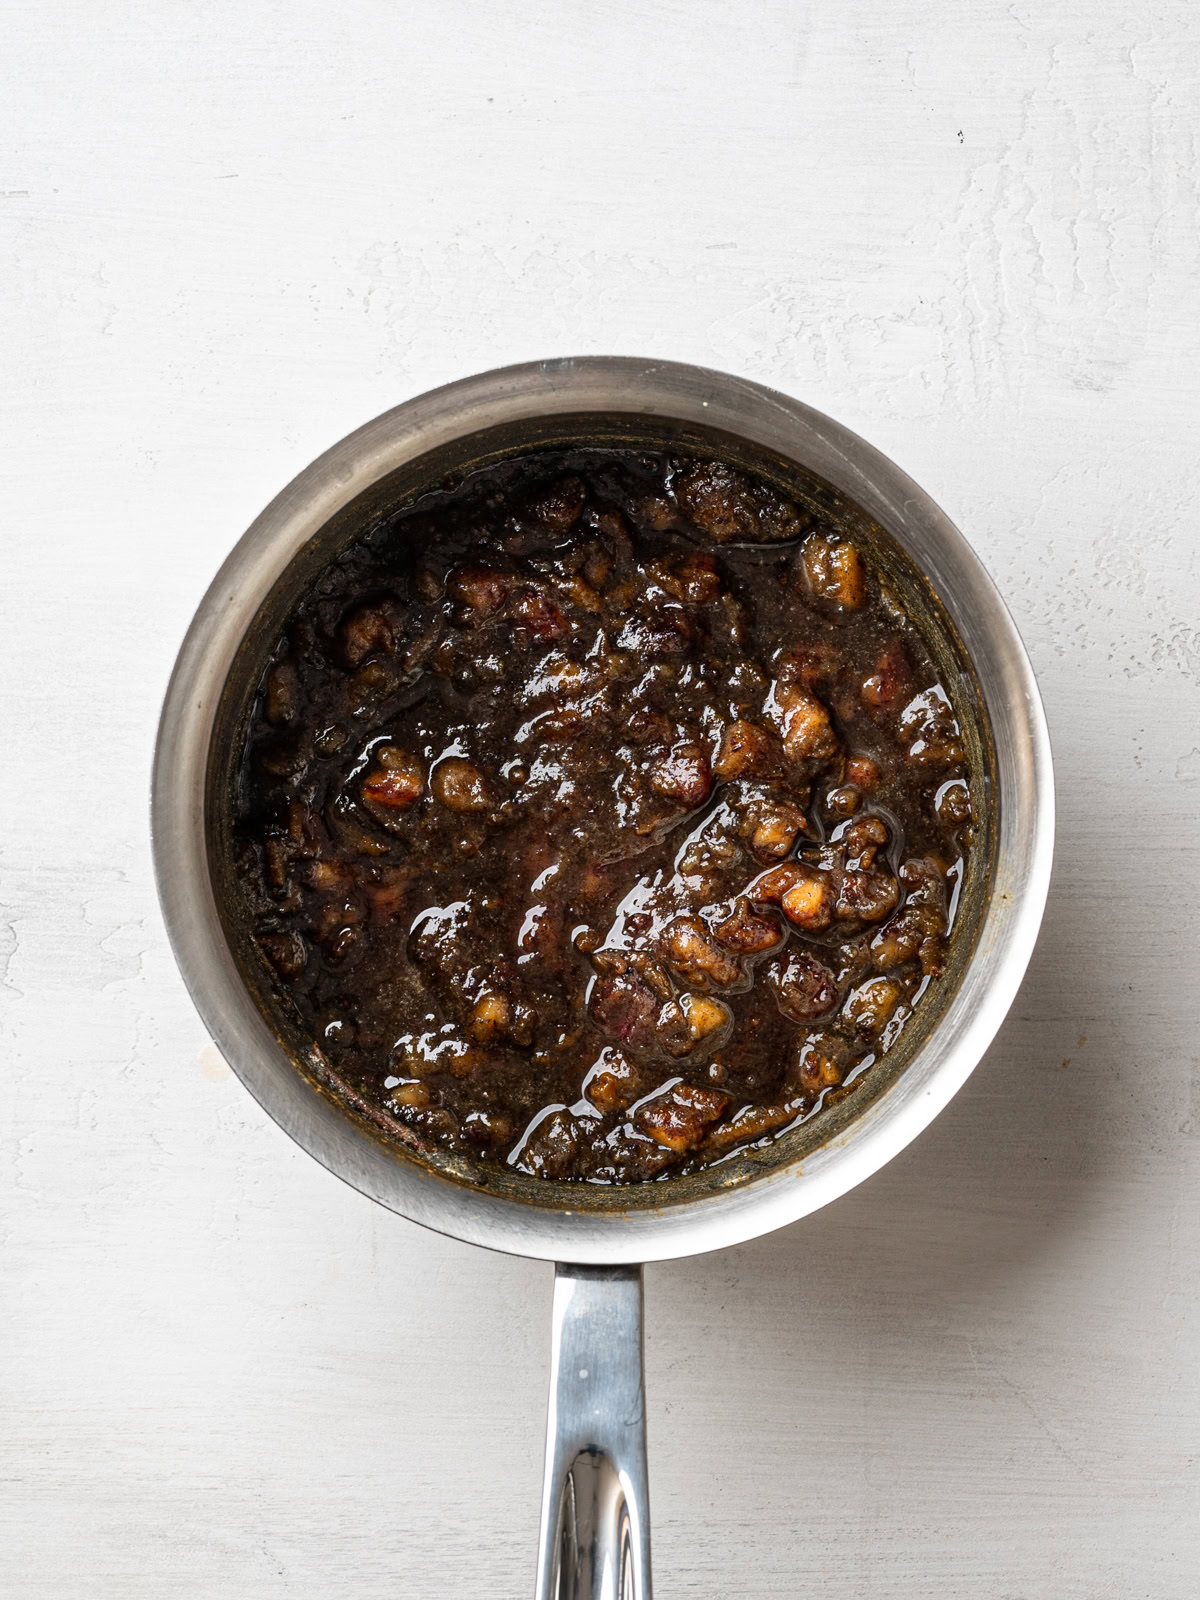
(600, 816)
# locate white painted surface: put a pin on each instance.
(232, 232)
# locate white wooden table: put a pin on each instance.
(228, 234)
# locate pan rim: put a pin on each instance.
(679, 393)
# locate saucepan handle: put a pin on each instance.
(595, 1540)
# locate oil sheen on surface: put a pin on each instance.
(602, 816)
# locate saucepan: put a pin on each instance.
(595, 1531)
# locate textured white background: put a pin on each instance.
(231, 232)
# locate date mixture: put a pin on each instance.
(602, 815)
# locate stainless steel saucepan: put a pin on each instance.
(595, 1531)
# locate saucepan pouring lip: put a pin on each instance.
(698, 400)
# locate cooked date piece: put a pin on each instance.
(819, 1064)
(611, 1084)
(750, 1124)
(550, 1149)
(809, 903)
(285, 952)
(460, 786)
(727, 505)
(890, 678)
(625, 1008)
(695, 577)
(745, 747)
(918, 932)
(558, 505)
(863, 840)
(599, 817)
(366, 631)
(539, 620)
(804, 987)
(694, 954)
(843, 801)
(804, 723)
(776, 828)
(746, 932)
(834, 572)
(862, 773)
(482, 590)
(679, 1119)
(397, 783)
(491, 1018)
(869, 1008)
(952, 803)
(692, 1022)
(868, 896)
(683, 775)
(928, 722)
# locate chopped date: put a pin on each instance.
(412, 1095)
(818, 1066)
(692, 1021)
(683, 775)
(659, 637)
(728, 505)
(862, 772)
(580, 593)
(807, 730)
(929, 724)
(770, 887)
(809, 903)
(679, 1119)
(558, 506)
(811, 665)
(482, 590)
(536, 614)
(834, 572)
(891, 678)
(869, 1008)
(612, 1083)
(804, 987)
(548, 1151)
(285, 952)
(750, 1124)
(748, 932)
(776, 829)
(625, 1008)
(952, 803)
(918, 931)
(863, 840)
(487, 1127)
(366, 631)
(695, 955)
(491, 1018)
(397, 783)
(869, 896)
(461, 786)
(803, 893)
(843, 801)
(644, 726)
(588, 831)
(694, 577)
(704, 1016)
(745, 748)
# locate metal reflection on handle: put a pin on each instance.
(595, 1539)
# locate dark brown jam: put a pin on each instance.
(601, 816)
